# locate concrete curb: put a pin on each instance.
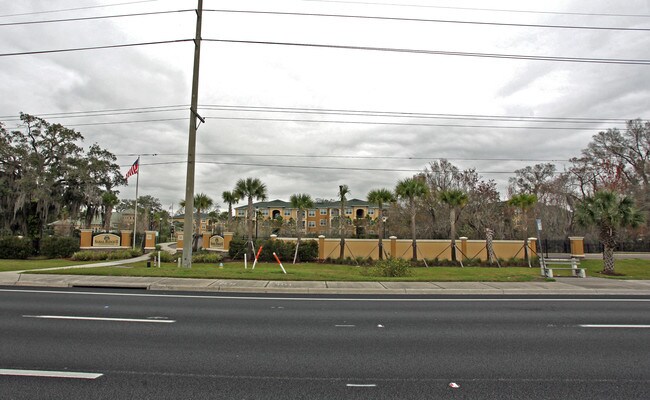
(568, 286)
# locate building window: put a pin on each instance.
(312, 213)
(371, 211)
(348, 211)
(265, 213)
(323, 222)
(312, 224)
(323, 211)
(241, 213)
(287, 213)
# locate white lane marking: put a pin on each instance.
(360, 385)
(49, 374)
(616, 326)
(160, 321)
(345, 326)
(441, 300)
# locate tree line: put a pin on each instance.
(45, 175)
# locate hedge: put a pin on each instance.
(13, 247)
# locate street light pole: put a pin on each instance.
(191, 146)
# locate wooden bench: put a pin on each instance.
(572, 265)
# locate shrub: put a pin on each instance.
(307, 251)
(206, 258)
(90, 255)
(237, 249)
(284, 250)
(166, 257)
(59, 246)
(392, 267)
(13, 247)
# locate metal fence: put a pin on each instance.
(564, 246)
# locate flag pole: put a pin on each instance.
(135, 210)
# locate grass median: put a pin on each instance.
(312, 272)
(629, 268)
(20, 265)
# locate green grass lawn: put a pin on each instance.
(629, 268)
(312, 272)
(19, 265)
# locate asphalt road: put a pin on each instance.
(185, 346)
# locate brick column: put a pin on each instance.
(227, 238)
(150, 240)
(321, 247)
(86, 238)
(393, 246)
(463, 247)
(577, 246)
(206, 240)
(126, 239)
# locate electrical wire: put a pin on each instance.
(380, 18)
(114, 46)
(349, 157)
(78, 8)
(107, 112)
(395, 123)
(311, 167)
(401, 114)
(321, 111)
(210, 117)
(92, 18)
(442, 52)
(480, 9)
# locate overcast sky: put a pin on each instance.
(295, 152)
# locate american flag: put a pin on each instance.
(134, 168)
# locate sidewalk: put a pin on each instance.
(563, 286)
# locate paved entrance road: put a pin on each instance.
(210, 346)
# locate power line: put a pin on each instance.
(380, 18)
(129, 122)
(312, 167)
(569, 128)
(402, 114)
(481, 9)
(395, 123)
(323, 111)
(351, 157)
(211, 117)
(92, 18)
(102, 113)
(445, 53)
(78, 8)
(114, 46)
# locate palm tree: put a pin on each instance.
(343, 191)
(301, 201)
(524, 202)
(230, 198)
(250, 188)
(411, 189)
(379, 197)
(609, 213)
(202, 202)
(455, 199)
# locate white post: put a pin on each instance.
(245, 263)
(158, 259)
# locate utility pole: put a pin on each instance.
(191, 146)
